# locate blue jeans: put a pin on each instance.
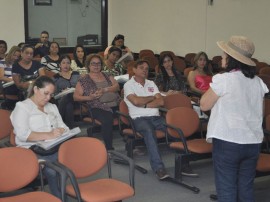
(235, 169)
(51, 175)
(147, 126)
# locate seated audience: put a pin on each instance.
(100, 91)
(169, 81)
(119, 42)
(42, 47)
(66, 78)
(3, 49)
(51, 61)
(79, 55)
(200, 78)
(6, 75)
(111, 66)
(26, 70)
(35, 119)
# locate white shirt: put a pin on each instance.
(149, 89)
(238, 113)
(26, 117)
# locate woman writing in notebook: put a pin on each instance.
(35, 119)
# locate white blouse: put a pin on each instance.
(238, 113)
(26, 117)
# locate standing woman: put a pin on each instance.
(169, 81)
(201, 76)
(66, 78)
(26, 69)
(235, 126)
(100, 91)
(79, 55)
(51, 61)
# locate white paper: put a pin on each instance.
(65, 92)
(48, 144)
(5, 85)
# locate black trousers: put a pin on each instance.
(106, 120)
(66, 108)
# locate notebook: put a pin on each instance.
(48, 144)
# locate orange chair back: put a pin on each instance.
(184, 118)
(177, 100)
(85, 156)
(5, 123)
(146, 52)
(19, 167)
(124, 109)
(179, 64)
(187, 70)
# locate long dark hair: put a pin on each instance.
(233, 64)
(164, 72)
(206, 68)
(40, 82)
(79, 64)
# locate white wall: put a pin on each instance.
(185, 26)
(65, 19)
(12, 22)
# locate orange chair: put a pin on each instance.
(153, 62)
(84, 157)
(265, 70)
(5, 124)
(181, 123)
(189, 59)
(260, 65)
(19, 167)
(179, 64)
(146, 52)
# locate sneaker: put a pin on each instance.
(161, 174)
(187, 171)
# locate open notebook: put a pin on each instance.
(65, 92)
(48, 144)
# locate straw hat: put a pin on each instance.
(240, 48)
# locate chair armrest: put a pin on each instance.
(181, 135)
(63, 176)
(162, 109)
(69, 174)
(130, 163)
(129, 121)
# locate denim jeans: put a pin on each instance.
(235, 169)
(51, 175)
(147, 126)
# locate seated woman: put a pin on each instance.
(100, 91)
(111, 66)
(63, 80)
(201, 76)
(119, 42)
(79, 55)
(3, 49)
(35, 119)
(169, 81)
(51, 61)
(26, 70)
(6, 76)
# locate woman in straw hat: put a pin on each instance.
(235, 126)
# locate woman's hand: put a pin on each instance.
(56, 132)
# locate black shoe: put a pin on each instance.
(161, 174)
(187, 171)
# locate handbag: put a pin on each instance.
(43, 152)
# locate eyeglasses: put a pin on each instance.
(95, 64)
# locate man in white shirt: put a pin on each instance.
(143, 99)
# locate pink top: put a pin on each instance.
(202, 82)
